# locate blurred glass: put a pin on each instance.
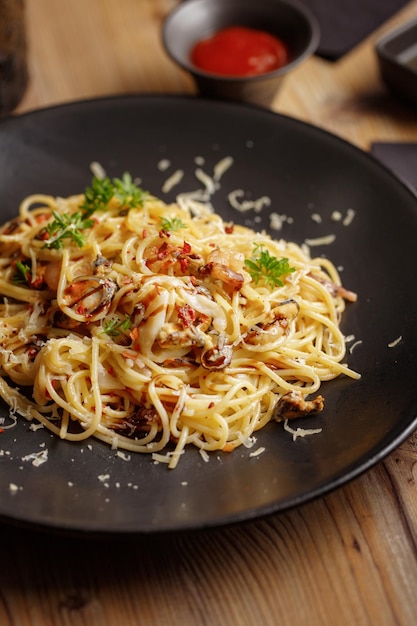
(13, 54)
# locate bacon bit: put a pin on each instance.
(76, 290)
(187, 315)
(38, 283)
(1, 430)
(42, 217)
(129, 354)
(43, 235)
(184, 263)
(32, 352)
(186, 249)
(134, 335)
(163, 251)
(229, 447)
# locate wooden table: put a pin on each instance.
(349, 558)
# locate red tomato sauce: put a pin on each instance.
(240, 51)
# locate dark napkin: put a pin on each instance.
(345, 23)
(400, 158)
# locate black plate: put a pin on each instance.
(304, 170)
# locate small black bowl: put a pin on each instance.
(397, 58)
(194, 20)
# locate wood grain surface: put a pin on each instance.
(349, 558)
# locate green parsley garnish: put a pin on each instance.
(22, 273)
(67, 226)
(172, 224)
(115, 326)
(127, 192)
(102, 190)
(97, 197)
(267, 267)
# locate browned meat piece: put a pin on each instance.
(336, 290)
(139, 423)
(292, 405)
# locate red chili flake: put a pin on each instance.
(187, 315)
(184, 262)
(81, 310)
(144, 233)
(211, 405)
(1, 430)
(229, 228)
(134, 335)
(32, 352)
(42, 217)
(110, 370)
(163, 251)
(38, 283)
(43, 234)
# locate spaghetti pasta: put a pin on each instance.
(154, 326)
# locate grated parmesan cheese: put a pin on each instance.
(97, 170)
(395, 342)
(355, 345)
(350, 214)
(123, 455)
(316, 217)
(277, 221)
(247, 205)
(221, 167)
(207, 181)
(163, 165)
(37, 458)
(173, 180)
(300, 432)
(321, 241)
(257, 452)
